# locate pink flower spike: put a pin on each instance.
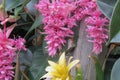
(58, 22)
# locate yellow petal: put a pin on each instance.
(55, 74)
(56, 79)
(62, 59)
(73, 63)
(55, 66)
(69, 77)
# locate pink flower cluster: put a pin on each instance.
(8, 48)
(95, 21)
(57, 21)
(60, 17)
(97, 33)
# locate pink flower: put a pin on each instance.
(8, 50)
(97, 33)
(8, 46)
(60, 17)
(6, 67)
(19, 44)
(5, 42)
(97, 48)
(7, 54)
(58, 22)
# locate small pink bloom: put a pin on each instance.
(19, 44)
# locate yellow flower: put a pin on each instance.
(60, 70)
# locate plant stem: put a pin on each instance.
(26, 78)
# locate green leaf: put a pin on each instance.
(10, 4)
(20, 8)
(25, 58)
(115, 74)
(106, 6)
(98, 68)
(39, 63)
(31, 8)
(37, 23)
(79, 73)
(115, 24)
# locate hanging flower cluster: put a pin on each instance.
(97, 33)
(60, 17)
(95, 22)
(58, 22)
(8, 47)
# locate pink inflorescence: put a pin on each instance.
(60, 17)
(57, 21)
(95, 22)
(8, 48)
(97, 33)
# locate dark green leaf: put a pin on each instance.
(25, 58)
(36, 24)
(10, 4)
(39, 63)
(17, 10)
(115, 24)
(106, 7)
(20, 8)
(24, 17)
(115, 74)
